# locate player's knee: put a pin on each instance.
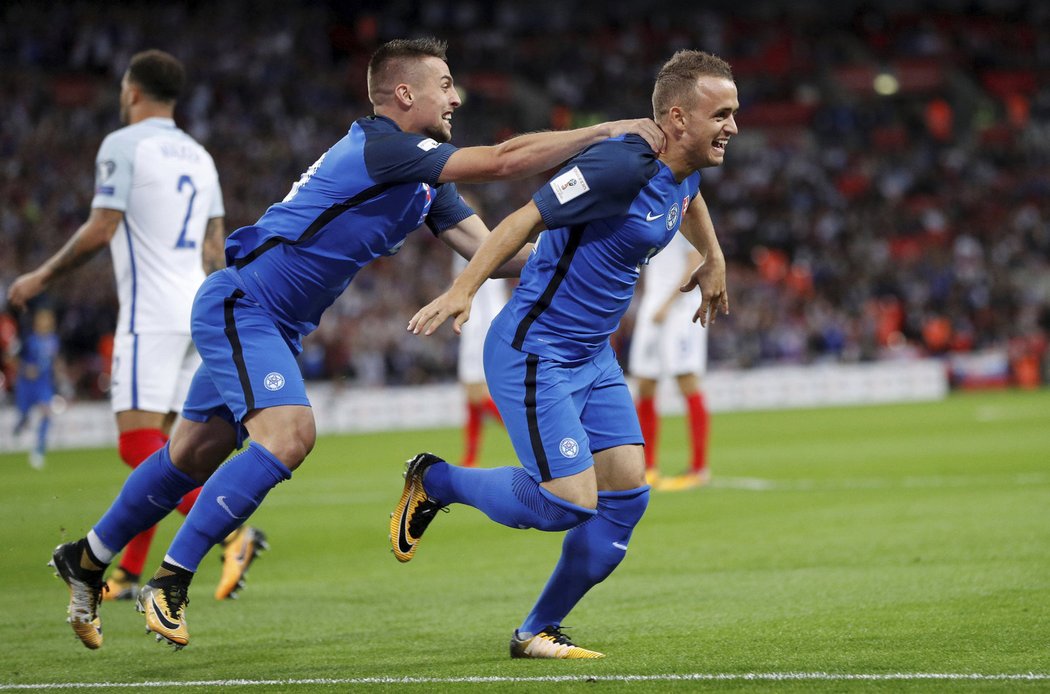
(198, 448)
(567, 519)
(290, 437)
(624, 508)
(646, 388)
(561, 514)
(292, 449)
(538, 508)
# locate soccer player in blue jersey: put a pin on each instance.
(391, 174)
(35, 384)
(548, 360)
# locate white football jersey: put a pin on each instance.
(167, 186)
(663, 276)
(492, 295)
(675, 346)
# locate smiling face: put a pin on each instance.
(432, 97)
(695, 103)
(708, 123)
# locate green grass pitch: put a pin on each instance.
(881, 546)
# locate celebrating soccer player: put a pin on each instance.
(550, 367)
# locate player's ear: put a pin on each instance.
(135, 93)
(676, 116)
(403, 95)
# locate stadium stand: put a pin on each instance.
(888, 195)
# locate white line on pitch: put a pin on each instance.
(707, 677)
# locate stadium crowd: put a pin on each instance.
(888, 194)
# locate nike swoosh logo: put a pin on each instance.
(167, 623)
(402, 527)
(617, 545)
(149, 498)
(649, 217)
(221, 501)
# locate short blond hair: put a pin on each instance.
(676, 81)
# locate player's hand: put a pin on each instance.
(24, 288)
(710, 277)
(646, 128)
(451, 304)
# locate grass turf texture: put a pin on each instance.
(867, 540)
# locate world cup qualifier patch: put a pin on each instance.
(569, 185)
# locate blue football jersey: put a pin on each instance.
(37, 356)
(356, 203)
(607, 212)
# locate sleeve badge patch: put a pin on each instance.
(569, 185)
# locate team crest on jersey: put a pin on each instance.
(569, 448)
(672, 216)
(569, 185)
(428, 144)
(273, 381)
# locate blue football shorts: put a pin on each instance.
(247, 364)
(29, 393)
(558, 415)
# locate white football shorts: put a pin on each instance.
(488, 301)
(152, 371)
(675, 347)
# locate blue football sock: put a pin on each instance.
(589, 554)
(150, 492)
(226, 501)
(507, 495)
(41, 434)
(23, 419)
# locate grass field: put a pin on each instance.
(891, 548)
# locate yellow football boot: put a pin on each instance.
(241, 548)
(164, 600)
(549, 643)
(414, 510)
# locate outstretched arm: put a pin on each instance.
(466, 237)
(504, 243)
(526, 155)
(710, 276)
(88, 240)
